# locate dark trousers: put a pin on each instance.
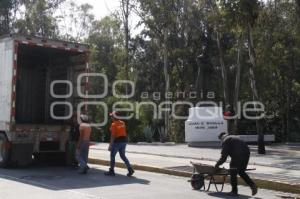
(239, 166)
(71, 153)
(82, 154)
(121, 148)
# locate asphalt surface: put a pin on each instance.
(277, 156)
(280, 164)
(47, 182)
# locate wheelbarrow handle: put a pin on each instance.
(251, 169)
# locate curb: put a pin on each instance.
(261, 183)
(156, 144)
(182, 157)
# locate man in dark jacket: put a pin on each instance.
(239, 152)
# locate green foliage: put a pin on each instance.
(186, 33)
(7, 14)
(38, 18)
(76, 21)
(148, 133)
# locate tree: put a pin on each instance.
(106, 41)
(298, 7)
(39, 18)
(7, 15)
(76, 21)
(159, 29)
(224, 69)
(125, 10)
(250, 13)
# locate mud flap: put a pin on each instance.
(21, 154)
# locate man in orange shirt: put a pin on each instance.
(83, 144)
(118, 142)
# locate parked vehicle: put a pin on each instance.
(28, 68)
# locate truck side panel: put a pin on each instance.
(6, 75)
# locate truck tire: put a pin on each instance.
(5, 151)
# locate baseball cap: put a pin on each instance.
(221, 135)
(84, 118)
(113, 114)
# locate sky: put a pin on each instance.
(102, 8)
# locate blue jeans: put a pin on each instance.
(82, 154)
(115, 148)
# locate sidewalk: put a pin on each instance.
(279, 169)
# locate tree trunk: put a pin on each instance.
(283, 104)
(125, 12)
(198, 85)
(237, 83)
(252, 56)
(289, 85)
(224, 70)
(288, 105)
(167, 79)
(298, 7)
(214, 8)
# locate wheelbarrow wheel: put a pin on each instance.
(197, 181)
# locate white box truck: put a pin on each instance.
(28, 66)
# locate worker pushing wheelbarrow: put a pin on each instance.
(239, 152)
(215, 176)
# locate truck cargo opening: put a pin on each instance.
(37, 67)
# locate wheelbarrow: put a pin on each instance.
(215, 176)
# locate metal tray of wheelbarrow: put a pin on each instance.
(208, 169)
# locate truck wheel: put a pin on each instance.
(5, 151)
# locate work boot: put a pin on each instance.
(254, 190)
(82, 170)
(234, 192)
(130, 172)
(111, 172)
(74, 166)
(86, 168)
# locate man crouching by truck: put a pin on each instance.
(83, 144)
(239, 152)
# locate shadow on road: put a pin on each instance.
(227, 195)
(64, 178)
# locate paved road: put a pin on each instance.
(64, 183)
(278, 156)
(279, 164)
